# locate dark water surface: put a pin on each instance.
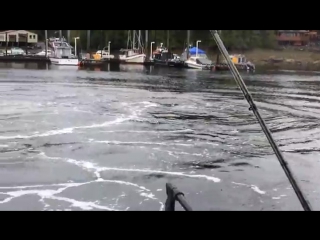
(109, 140)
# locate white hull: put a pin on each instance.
(139, 58)
(193, 65)
(64, 61)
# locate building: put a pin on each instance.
(314, 36)
(18, 37)
(293, 37)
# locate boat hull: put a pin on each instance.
(193, 65)
(136, 59)
(169, 63)
(65, 61)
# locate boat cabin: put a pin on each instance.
(160, 49)
(63, 52)
(163, 56)
(130, 52)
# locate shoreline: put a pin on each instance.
(286, 59)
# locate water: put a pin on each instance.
(109, 140)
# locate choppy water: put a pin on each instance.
(97, 140)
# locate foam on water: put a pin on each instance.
(253, 187)
(51, 194)
(64, 130)
(141, 143)
(98, 169)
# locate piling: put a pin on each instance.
(46, 42)
(6, 44)
(147, 43)
(188, 42)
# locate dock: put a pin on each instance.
(102, 62)
(92, 63)
(224, 67)
(16, 58)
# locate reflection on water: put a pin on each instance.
(110, 138)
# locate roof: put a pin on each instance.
(9, 31)
(194, 51)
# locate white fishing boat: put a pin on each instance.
(63, 56)
(134, 54)
(198, 59)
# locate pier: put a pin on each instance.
(19, 58)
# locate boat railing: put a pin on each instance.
(173, 195)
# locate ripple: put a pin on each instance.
(124, 134)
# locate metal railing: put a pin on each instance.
(173, 195)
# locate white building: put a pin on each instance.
(18, 36)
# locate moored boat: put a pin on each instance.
(163, 57)
(197, 59)
(62, 56)
(133, 54)
(239, 60)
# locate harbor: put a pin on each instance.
(139, 50)
(127, 136)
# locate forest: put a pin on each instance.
(233, 39)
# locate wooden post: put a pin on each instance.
(6, 43)
(188, 42)
(147, 43)
(60, 35)
(46, 42)
(27, 36)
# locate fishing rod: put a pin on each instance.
(305, 204)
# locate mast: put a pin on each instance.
(134, 39)
(139, 39)
(188, 42)
(218, 55)
(129, 38)
(146, 41)
(88, 40)
(68, 36)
